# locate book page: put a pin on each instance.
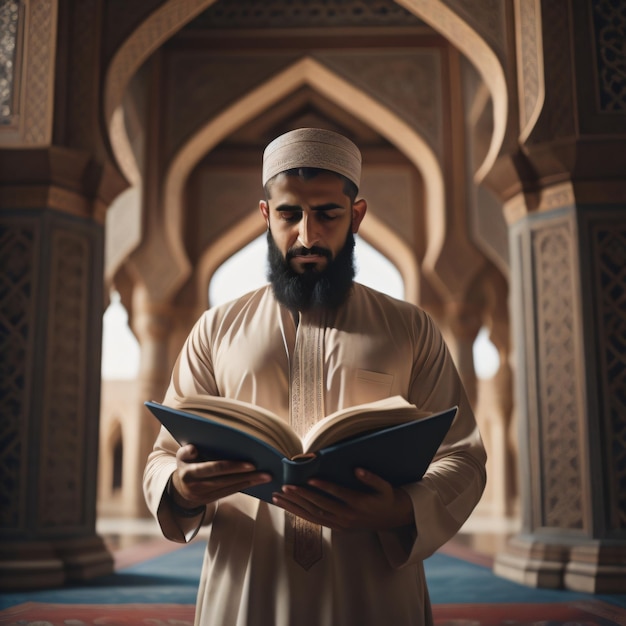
(360, 419)
(249, 418)
(268, 427)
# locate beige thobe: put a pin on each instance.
(373, 347)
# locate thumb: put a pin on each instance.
(188, 453)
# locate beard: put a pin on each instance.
(313, 289)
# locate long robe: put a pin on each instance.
(373, 347)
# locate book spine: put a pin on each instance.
(298, 470)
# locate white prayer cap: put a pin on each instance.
(312, 147)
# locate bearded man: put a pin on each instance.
(308, 344)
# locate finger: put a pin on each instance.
(187, 454)
(213, 489)
(225, 486)
(312, 514)
(225, 468)
(315, 503)
(373, 480)
(346, 495)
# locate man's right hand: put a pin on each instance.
(196, 483)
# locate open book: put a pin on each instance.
(391, 438)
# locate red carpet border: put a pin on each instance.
(40, 614)
(568, 614)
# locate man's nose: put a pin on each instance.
(308, 234)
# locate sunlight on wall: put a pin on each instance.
(120, 348)
(245, 271)
(486, 357)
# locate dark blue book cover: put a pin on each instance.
(399, 453)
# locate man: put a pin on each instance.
(310, 343)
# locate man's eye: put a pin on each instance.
(290, 216)
(327, 217)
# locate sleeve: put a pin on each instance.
(192, 375)
(454, 483)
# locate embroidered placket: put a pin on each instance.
(304, 538)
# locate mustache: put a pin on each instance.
(302, 251)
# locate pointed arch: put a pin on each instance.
(309, 72)
(174, 14)
(160, 25)
(456, 30)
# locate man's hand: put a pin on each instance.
(196, 483)
(383, 508)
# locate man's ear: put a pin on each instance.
(359, 208)
(265, 212)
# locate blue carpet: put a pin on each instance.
(454, 581)
(173, 578)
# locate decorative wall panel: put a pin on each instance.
(41, 55)
(19, 256)
(407, 83)
(257, 14)
(486, 17)
(200, 85)
(608, 245)
(62, 467)
(30, 47)
(9, 46)
(558, 118)
(530, 72)
(609, 29)
(557, 378)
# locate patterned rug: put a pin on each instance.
(571, 614)
(155, 584)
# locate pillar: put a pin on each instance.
(567, 218)
(51, 305)
(570, 323)
(463, 323)
(152, 325)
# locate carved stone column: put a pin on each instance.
(51, 268)
(152, 325)
(464, 322)
(567, 216)
(569, 286)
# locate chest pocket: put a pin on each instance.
(371, 386)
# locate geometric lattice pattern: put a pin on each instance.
(558, 78)
(18, 255)
(610, 258)
(529, 61)
(557, 378)
(407, 83)
(9, 14)
(256, 14)
(609, 20)
(63, 466)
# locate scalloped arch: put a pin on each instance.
(174, 14)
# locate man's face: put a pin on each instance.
(310, 241)
(310, 219)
